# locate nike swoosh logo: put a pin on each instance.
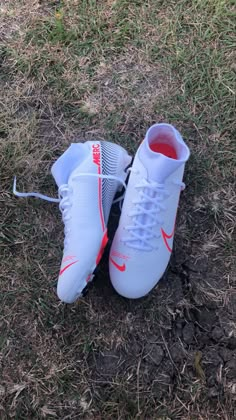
(67, 266)
(165, 236)
(119, 267)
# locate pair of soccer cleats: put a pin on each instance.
(88, 176)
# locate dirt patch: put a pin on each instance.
(174, 336)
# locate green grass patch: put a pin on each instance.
(87, 28)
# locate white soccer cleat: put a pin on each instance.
(88, 176)
(143, 242)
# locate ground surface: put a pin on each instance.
(107, 70)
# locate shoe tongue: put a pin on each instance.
(158, 166)
(66, 163)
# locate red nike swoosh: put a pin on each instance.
(67, 266)
(166, 236)
(119, 267)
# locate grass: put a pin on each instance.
(108, 70)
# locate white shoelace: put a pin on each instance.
(64, 193)
(145, 215)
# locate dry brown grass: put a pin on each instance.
(109, 70)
